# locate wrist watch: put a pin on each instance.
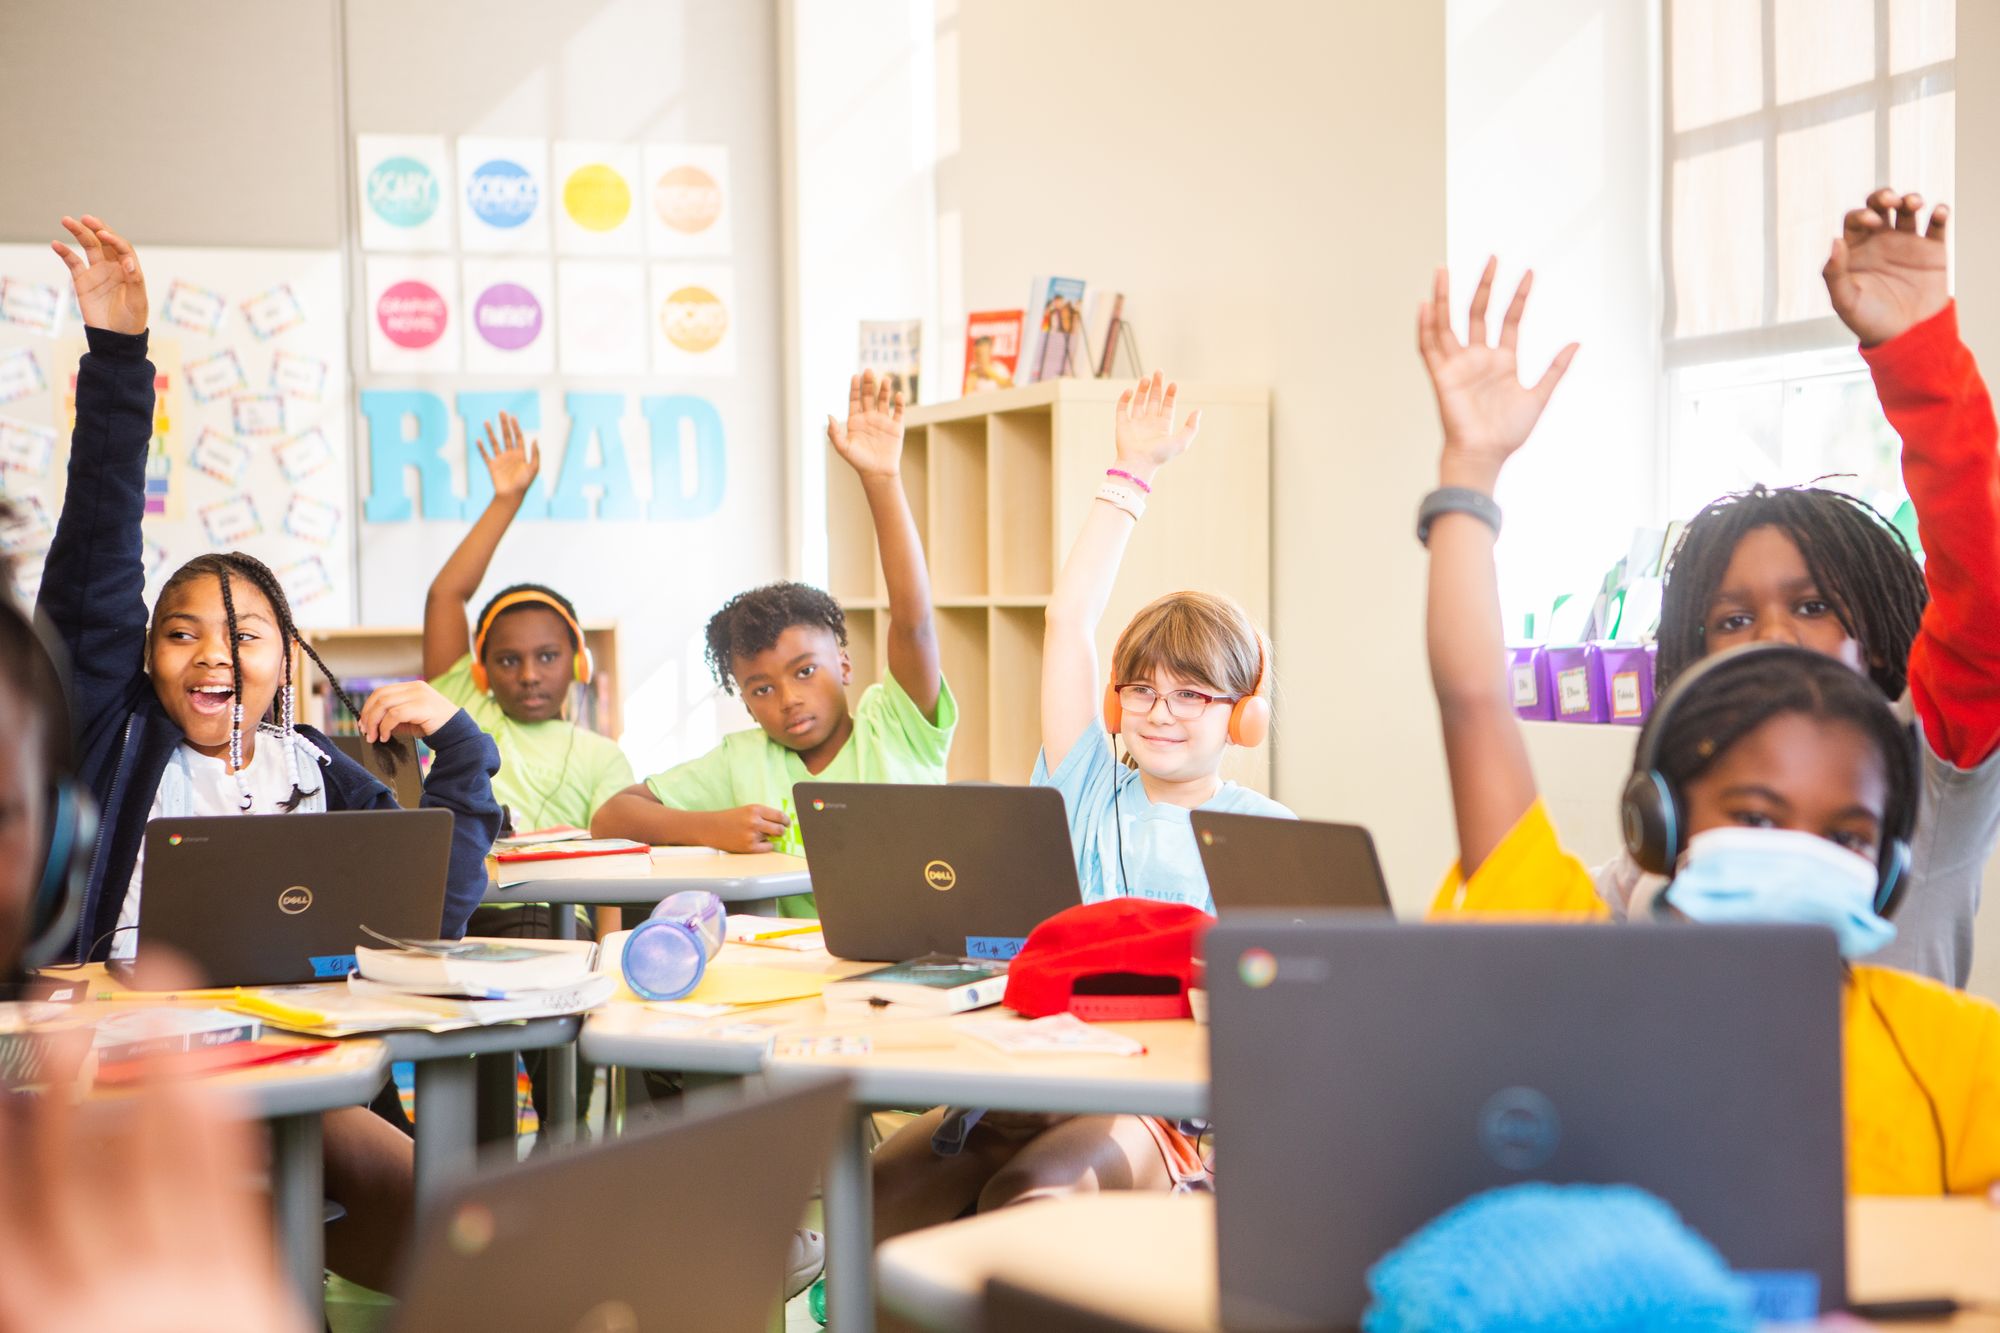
(1456, 500)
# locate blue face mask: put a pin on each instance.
(1780, 875)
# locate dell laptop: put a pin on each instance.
(1370, 1076)
(260, 900)
(901, 871)
(686, 1226)
(1256, 861)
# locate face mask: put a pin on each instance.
(1780, 875)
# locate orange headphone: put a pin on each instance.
(1249, 716)
(581, 666)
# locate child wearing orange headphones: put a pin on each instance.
(1190, 676)
(513, 668)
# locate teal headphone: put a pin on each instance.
(1653, 815)
(56, 902)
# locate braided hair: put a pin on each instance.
(1862, 565)
(225, 568)
(750, 623)
(1737, 697)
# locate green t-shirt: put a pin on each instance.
(892, 742)
(552, 772)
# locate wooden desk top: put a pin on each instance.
(1150, 1258)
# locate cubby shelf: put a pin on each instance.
(999, 484)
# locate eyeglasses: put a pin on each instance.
(1187, 705)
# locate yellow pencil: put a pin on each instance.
(163, 997)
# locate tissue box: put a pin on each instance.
(1528, 672)
(1628, 681)
(1577, 672)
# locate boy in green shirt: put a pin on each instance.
(783, 647)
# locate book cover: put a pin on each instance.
(168, 1031)
(479, 967)
(1055, 306)
(893, 348)
(935, 985)
(569, 849)
(992, 349)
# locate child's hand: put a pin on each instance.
(1486, 411)
(1147, 440)
(749, 828)
(110, 289)
(1883, 276)
(872, 439)
(511, 461)
(408, 708)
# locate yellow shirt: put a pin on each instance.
(1950, 1041)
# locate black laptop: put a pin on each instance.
(260, 900)
(406, 784)
(903, 871)
(555, 1243)
(1256, 861)
(1369, 1076)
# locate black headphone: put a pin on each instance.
(1654, 817)
(57, 899)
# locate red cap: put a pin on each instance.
(1120, 959)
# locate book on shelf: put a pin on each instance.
(893, 348)
(1056, 339)
(478, 968)
(934, 986)
(580, 858)
(992, 350)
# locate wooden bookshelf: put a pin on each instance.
(367, 651)
(999, 484)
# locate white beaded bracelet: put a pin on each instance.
(1123, 497)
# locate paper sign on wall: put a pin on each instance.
(597, 199)
(230, 522)
(602, 324)
(34, 306)
(411, 306)
(305, 581)
(273, 312)
(303, 455)
(20, 375)
(693, 319)
(193, 309)
(216, 376)
(687, 199)
(504, 190)
(312, 520)
(258, 415)
(405, 187)
(220, 457)
(299, 376)
(510, 316)
(26, 447)
(28, 528)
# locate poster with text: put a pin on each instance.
(693, 319)
(504, 193)
(597, 202)
(404, 182)
(601, 323)
(510, 317)
(687, 200)
(412, 302)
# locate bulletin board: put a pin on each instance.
(251, 444)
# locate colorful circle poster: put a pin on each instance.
(597, 199)
(503, 187)
(412, 309)
(510, 317)
(687, 200)
(693, 318)
(404, 186)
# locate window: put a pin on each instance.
(1781, 115)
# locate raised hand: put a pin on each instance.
(408, 708)
(1486, 411)
(872, 439)
(1146, 434)
(512, 461)
(110, 289)
(1883, 276)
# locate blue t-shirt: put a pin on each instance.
(1159, 855)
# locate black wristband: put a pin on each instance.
(1456, 500)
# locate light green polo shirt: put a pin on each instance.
(892, 741)
(552, 772)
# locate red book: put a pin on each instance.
(992, 349)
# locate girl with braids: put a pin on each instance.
(194, 713)
(1792, 784)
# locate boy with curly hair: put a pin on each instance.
(783, 648)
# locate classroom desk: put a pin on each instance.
(751, 883)
(912, 1062)
(1150, 1259)
(291, 1097)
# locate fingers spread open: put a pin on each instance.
(1475, 317)
(1510, 326)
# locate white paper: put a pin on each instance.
(596, 199)
(601, 324)
(405, 191)
(504, 195)
(687, 200)
(693, 319)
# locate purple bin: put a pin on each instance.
(1628, 681)
(1528, 673)
(1577, 671)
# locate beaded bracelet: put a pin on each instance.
(1123, 475)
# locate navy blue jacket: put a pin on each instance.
(94, 594)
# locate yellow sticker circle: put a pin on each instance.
(694, 319)
(597, 197)
(687, 199)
